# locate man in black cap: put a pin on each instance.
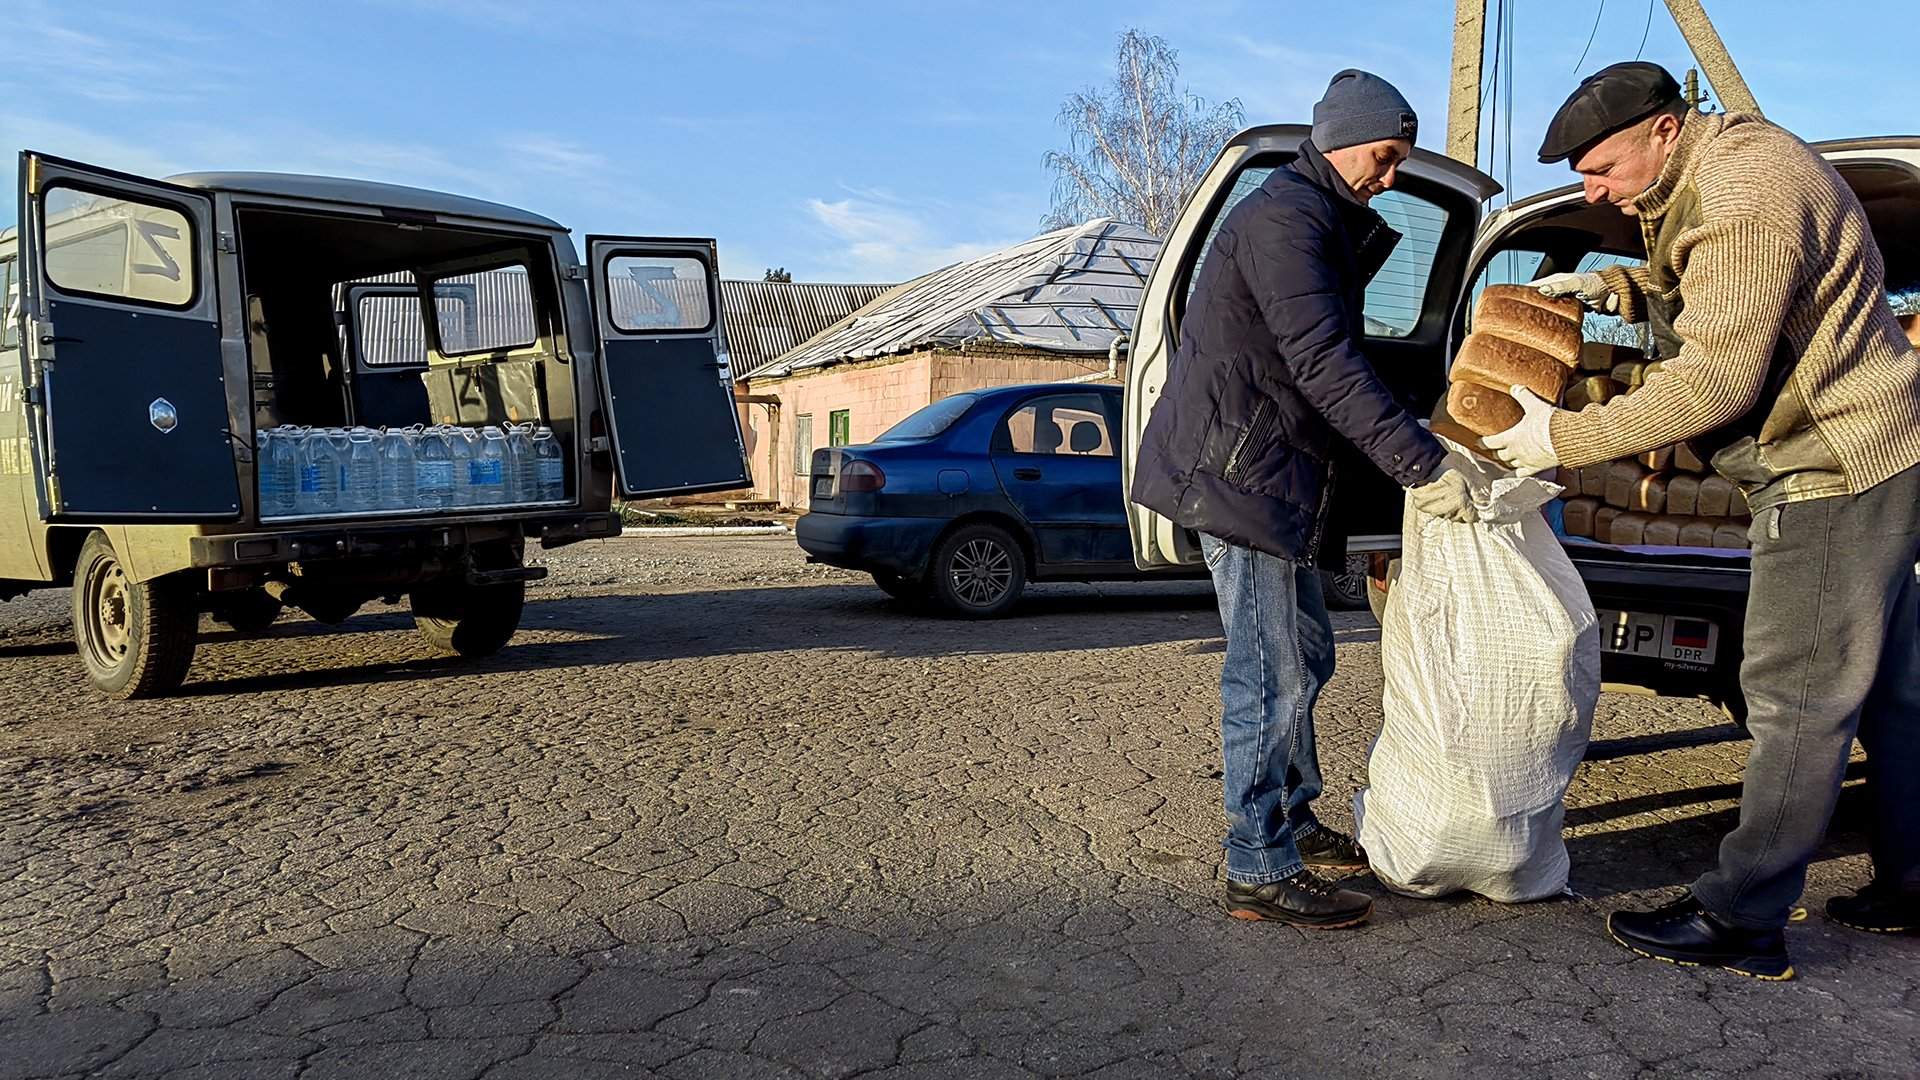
(1268, 373)
(1786, 365)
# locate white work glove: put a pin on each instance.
(1445, 496)
(1526, 447)
(1590, 288)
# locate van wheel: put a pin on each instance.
(978, 572)
(136, 639)
(251, 611)
(471, 620)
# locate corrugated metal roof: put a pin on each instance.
(1071, 291)
(765, 319)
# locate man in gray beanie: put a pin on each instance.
(1268, 373)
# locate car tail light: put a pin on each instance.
(861, 476)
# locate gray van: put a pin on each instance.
(159, 335)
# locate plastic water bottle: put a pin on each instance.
(520, 464)
(396, 469)
(433, 470)
(320, 469)
(549, 467)
(460, 443)
(361, 491)
(277, 460)
(488, 470)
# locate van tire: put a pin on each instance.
(136, 639)
(471, 620)
(977, 572)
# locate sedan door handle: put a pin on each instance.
(1026, 474)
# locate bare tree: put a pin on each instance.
(777, 273)
(1137, 148)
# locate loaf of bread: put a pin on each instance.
(1664, 531)
(1529, 324)
(1686, 460)
(1481, 409)
(1683, 495)
(1716, 497)
(1593, 480)
(1737, 507)
(1603, 520)
(1648, 495)
(1628, 529)
(1496, 362)
(1697, 532)
(1630, 374)
(1578, 514)
(1730, 536)
(1622, 478)
(1564, 306)
(1591, 390)
(1658, 460)
(1598, 357)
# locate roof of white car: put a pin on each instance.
(336, 189)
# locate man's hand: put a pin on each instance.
(1590, 288)
(1526, 447)
(1445, 496)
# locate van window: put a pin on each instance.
(392, 333)
(1397, 294)
(9, 301)
(484, 312)
(658, 292)
(104, 245)
(1517, 266)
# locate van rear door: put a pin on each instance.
(663, 366)
(126, 385)
(1435, 206)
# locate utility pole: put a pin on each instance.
(1712, 53)
(1463, 99)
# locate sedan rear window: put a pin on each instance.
(931, 420)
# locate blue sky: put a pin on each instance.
(844, 141)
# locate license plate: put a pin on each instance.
(823, 487)
(1680, 638)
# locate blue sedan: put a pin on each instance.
(970, 498)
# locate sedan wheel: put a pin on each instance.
(1346, 588)
(978, 572)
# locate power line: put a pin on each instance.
(1644, 31)
(1577, 64)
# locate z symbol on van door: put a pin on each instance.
(163, 416)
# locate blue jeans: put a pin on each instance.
(1279, 655)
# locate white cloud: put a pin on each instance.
(873, 236)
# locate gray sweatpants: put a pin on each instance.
(1832, 650)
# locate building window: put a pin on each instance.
(802, 444)
(839, 428)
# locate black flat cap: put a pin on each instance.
(1605, 102)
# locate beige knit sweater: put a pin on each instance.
(1772, 254)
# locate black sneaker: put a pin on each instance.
(1684, 933)
(1301, 900)
(1332, 850)
(1878, 909)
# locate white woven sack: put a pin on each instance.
(1492, 658)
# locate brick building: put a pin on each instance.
(1047, 310)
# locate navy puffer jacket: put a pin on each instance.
(1269, 370)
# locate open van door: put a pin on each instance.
(1435, 206)
(126, 388)
(663, 363)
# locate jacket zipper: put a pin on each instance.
(1262, 414)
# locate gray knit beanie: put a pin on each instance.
(1361, 108)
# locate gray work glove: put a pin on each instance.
(1590, 288)
(1445, 496)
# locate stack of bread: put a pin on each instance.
(1520, 338)
(1668, 497)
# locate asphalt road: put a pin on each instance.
(720, 814)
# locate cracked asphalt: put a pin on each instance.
(720, 814)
